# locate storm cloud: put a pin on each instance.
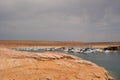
(60, 20)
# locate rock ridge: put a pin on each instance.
(17, 65)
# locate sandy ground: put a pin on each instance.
(16, 65)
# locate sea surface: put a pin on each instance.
(110, 61)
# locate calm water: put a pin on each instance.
(110, 61)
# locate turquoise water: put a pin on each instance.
(110, 61)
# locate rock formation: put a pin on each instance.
(16, 65)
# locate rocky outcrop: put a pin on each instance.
(16, 65)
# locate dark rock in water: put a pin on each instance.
(113, 48)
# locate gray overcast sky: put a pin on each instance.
(60, 20)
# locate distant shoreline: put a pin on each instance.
(30, 43)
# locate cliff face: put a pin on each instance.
(16, 65)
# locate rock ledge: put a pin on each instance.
(16, 65)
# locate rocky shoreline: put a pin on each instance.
(111, 49)
(17, 65)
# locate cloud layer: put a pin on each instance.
(63, 20)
